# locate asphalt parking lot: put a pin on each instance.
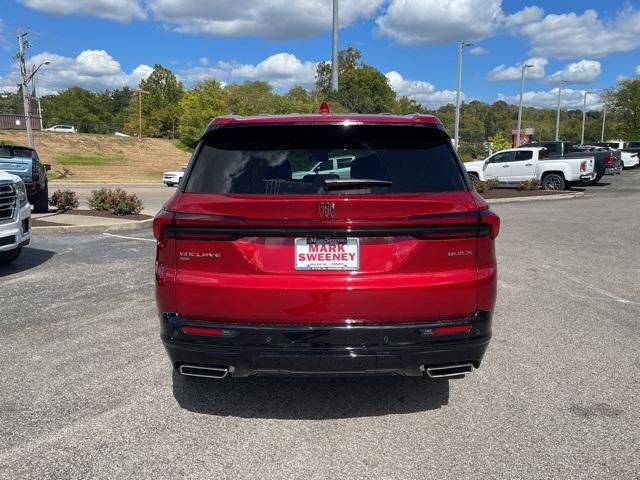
(87, 390)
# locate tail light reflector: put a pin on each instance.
(208, 331)
(162, 219)
(583, 166)
(611, 159)
(446, 330)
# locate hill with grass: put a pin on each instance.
(87, 157)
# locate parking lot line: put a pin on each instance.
(130, 238)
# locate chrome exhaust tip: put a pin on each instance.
(205, 372)
(445, 371)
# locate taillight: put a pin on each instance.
(209, 331)
(163, 219)
(491, 221)
(583, 166)
(35, 172)
(611, 159)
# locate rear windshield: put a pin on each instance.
(321, 159)
(11, 152)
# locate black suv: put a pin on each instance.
(25, 163)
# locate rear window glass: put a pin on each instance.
(321, 159)
(11, 152)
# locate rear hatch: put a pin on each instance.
(396, 241)
(17, 161)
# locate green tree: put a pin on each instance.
(348, 59)
(159, 105)
(624, 101)
(251, 98)
(365, 90)
(207, 99)
(499, 142)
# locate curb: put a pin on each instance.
(116, 227)
(561, 196)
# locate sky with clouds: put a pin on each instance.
(101, 44)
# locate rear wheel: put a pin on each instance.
(41, 201)
(474, 178)
(553, 181)
(596, 180)
(10, 256)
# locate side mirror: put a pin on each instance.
(47, 167)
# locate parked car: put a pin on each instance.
(389, 271)
(173, 178)
(606, 163)
(15, 217)
(629, 151)
(25, 163)
(515, 165)
(61, 129)
(340, 166)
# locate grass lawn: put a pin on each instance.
(103, 158)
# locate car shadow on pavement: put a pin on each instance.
(28, 259)
(309, 398)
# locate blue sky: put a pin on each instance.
(101, 44)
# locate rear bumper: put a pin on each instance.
(614, 170)
(397, 349)
(588, 177)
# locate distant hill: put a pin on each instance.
(103, 158)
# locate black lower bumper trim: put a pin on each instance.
(400, 349)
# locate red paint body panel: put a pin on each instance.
(251, 278)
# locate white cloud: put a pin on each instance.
(276, 19)
(422, 92)
(524, 16)
(570, 35)
(439, 21)
(502, 72)
(91, 69)
(120, 10)
(478, 51)
(282, 70)
(585, 71)
(204, 61)
(570, 98)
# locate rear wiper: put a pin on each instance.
(337, 183)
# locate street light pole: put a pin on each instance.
(558, 113)
(584, 117)
(335, 60)
(456, 136)
(524, 68)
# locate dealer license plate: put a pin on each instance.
(327, 253)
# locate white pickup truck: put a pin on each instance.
(515, 165)
(15, 217)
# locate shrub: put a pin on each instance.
(492, 183)
(64, 200)
(116, 201)
(533, 184)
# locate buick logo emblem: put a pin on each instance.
(327, 211)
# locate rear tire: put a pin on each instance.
(474, 178)
(10, 256)
(553, 181)
(41, 201)
(596, 180)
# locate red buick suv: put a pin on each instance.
(328, 244)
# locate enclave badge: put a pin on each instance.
(327, 210)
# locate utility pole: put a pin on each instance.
(140, 92)
(558, 114)
(524, 68)
(604, 120)
(456, 136)
(335, 60)
(24, 80)
(584, 117)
